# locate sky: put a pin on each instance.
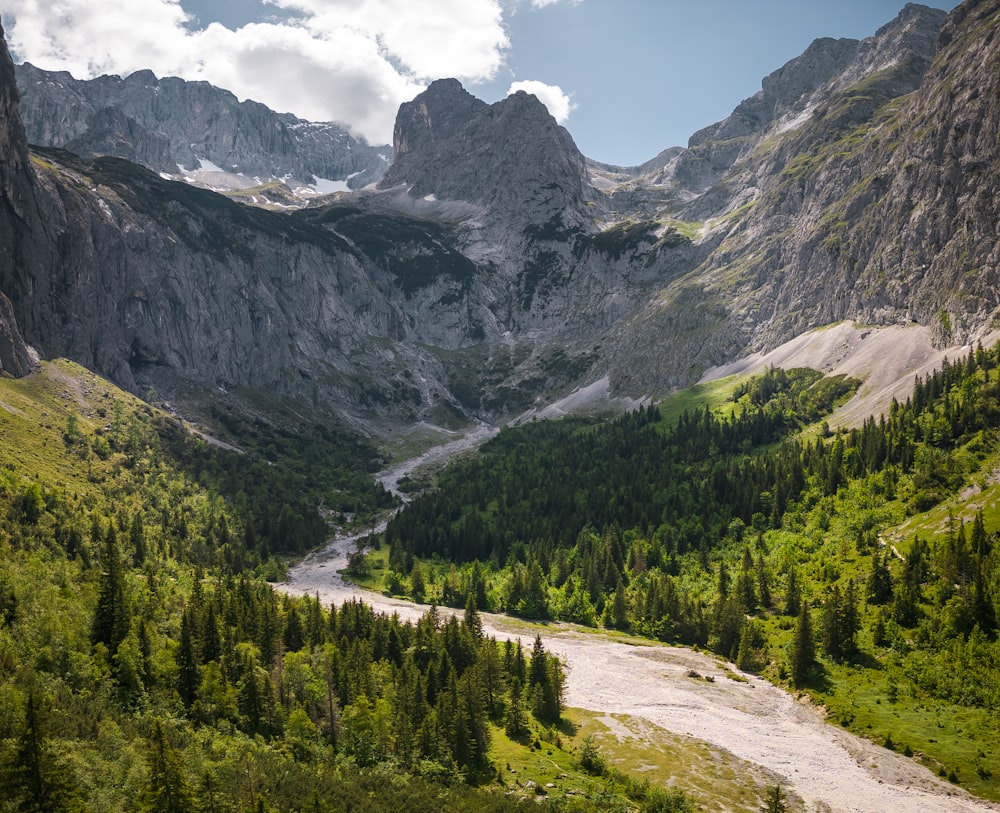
(627, 78)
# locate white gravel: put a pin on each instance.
(829, 768)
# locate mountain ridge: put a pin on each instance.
(495, 268)
(178, 126)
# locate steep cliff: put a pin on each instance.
(510, 156)
(879, 205)
(199, 123)
(17, 206)
(887, 216)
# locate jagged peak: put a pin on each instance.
(142, 77)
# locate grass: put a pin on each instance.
(635, 753)
(35, 413)
(710, 393)
(958, 743)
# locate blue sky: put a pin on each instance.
(628, 78)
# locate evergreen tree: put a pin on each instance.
(472, 620)
(516, 718)
(745, 592)
(111, 620)
(619, 608)
(189, 677)
(879, 587)
(137, 539)
(418, 586)
(753, 644)
(211, 641)
(803, 652)
(729, 622)
(33, 782)
(763, 583)
(545, 679)
(793, 596)
(166, 789)
(294, 637)
(774, 800)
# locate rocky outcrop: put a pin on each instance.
(879, 207)
(15, 358)
(199, 122)
(511, 157)
(891, 63)
(111, 132)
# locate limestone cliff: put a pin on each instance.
(198, 123)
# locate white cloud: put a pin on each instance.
(552, 96)
(348, 60)
(543, 3)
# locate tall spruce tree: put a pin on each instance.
(110, 625)
(803, 653)
(32, 782)
(166, 789)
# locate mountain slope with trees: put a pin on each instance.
(145, 663)
(831, 562)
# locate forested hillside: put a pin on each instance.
(146, 664)
(857, 564)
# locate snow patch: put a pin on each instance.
(204, 165)
(325, 186)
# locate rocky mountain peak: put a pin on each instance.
(893, 60)
(434, 115)
(511, 156)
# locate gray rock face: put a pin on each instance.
(487, 272)
(113, 133)
(198, 120)
(507, 156)
(895, 58)
(15, 359)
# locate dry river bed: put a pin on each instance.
(827, 767)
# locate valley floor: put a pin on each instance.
(743, 715)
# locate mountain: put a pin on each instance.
(193, 128)
(494, 268)
(878, 207)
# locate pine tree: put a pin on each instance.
(166, 789)
(189, 677)
(619, 608)
(803, 653)
(745, 592)
(763, 583)
(137, 539)
(111, 621)
(33, 781)
(879, 587)
(211, 642)
(793, 596)
(294, 638)
(472, 620)
(774, 800)
(515, 719)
